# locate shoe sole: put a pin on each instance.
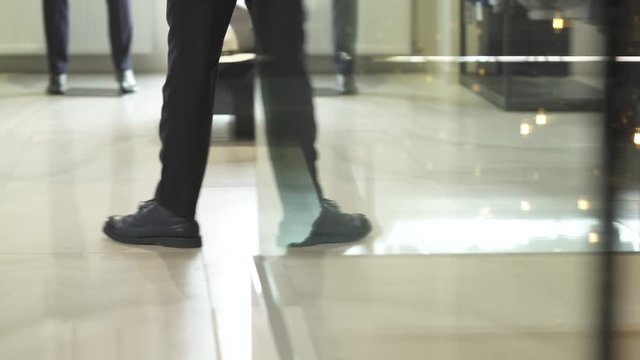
(333, 239)
(171, 242)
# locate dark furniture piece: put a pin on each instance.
(521, 86)
(236, 76)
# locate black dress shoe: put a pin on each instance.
(154, 225)
(57, 85)
(335, 227)
(127, 82)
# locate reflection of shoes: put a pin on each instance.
(154, 225)
(57, 84)
(127, 82)
(336, 227)
(347, 84)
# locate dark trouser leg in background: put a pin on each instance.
(197, 29)
(345, 31)
(120, 33)
(56, 24)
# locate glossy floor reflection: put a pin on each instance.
(436, 168)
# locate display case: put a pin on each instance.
(524, 55)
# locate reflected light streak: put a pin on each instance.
(636, 137)
(500, 59)
(487, 235)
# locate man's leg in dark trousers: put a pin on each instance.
(345, 31)
(196, 35)
(120, 33)
(56, 24)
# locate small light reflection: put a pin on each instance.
(525, 206)
(593, 238)
(558, 23)
(636, 137)
(429, 78)
(429, 165)
(485, 213)
(482, 71)
(541, 118)
(475, 88)
(525, 129)
(584, 204)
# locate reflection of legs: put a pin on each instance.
(197, 29)
(345, 30)
(121, 33)
(290, 119)
(56, 22)
(291, 129)
(286, 89)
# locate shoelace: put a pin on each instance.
(330, 204)
(145, 204)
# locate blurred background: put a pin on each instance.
(494, 145)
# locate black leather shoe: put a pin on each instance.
(57, 85)
(154, 225)
(335, 227)
(127, 82)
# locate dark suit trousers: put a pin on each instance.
(56, 21)
(196, 36)
(345, 32)
(197, 29)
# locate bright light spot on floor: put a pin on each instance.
(636, 137)
(584, 204)
(482, 71)
(541, 118)
(525, 129)
(475, 88)
(525, 206)
(485, 212)
(593, 238)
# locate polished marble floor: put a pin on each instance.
(485, 224)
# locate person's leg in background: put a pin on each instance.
(345, 32)
(56, 24)
(121, 36)
(196, 34)
(308, 217)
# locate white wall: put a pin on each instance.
(21, 27)
(383, 29)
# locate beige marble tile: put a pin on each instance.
(485, 307)
(99, 306)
